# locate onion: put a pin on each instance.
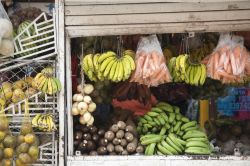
(78, 97)
(75, 111)
(87, 99)
(79, 88)
(81, 112)
(91, 121)
(82, 106)
(75, 104)
(87, 116)
(82, 120)
(88, 89)
(92, 107)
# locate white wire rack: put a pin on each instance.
(38, 103)
(37, 41)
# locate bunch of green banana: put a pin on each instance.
(165, 131)
(44, 122)
(183, 71)
(196, 74)
(46, 82)
(197, 54)
(109, 66)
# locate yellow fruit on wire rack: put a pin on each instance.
(182, 70)
(46, 82)
(109, 66)
(44, 122)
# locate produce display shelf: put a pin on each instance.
(195, 160)
(36, 41)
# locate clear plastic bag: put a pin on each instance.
(7, 140)
(151, 69)
(229, 60)
(27, 139)
(6, 32)
(3, 13)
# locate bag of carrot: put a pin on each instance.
(151, 69)
(229, 62)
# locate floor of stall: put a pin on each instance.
(158, 160)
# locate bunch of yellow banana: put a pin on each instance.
(183, 71)
(109, 66)
(177, 67)
(44, 122)
(46, 82)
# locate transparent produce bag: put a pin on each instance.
(151, 69)
(27, 151)
(229, 61)
(6, 34)
(7, 140)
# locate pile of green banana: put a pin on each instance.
(164, 131)
(46, 82)
(183, 71)
(44, 122)
(109, 66)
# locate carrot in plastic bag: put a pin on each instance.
(151, 69)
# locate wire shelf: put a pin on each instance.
(38, 103)
(36, 41)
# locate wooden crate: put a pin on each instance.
(116, 17)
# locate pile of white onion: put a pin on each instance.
(83, 104)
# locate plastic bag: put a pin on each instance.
(27, 150)
(151, 69)
(229, 60)
(6, 31)
(7, 140)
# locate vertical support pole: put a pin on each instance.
(69, 97)
(61, 75)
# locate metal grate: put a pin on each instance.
(38, 103)
(36, 41)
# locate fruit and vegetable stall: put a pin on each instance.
(119, 82)
(30, 87)
(156, 82)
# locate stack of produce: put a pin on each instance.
(46, 82)
(183, 71)
(229, 62)
(151, 69)
(44, 122)
(132, 91)
(232, 136)
(211, 88)
(83, 104)
(172, 92)
(7, 141)
(121, 140)
(166, 132)
(6, 44)
(17, 91)
(27, 146)
(109, 66)
(101, 93)
(87, 138)
(21, 15)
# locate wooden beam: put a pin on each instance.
(158, 18)
(152, 8)
(81, 31)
